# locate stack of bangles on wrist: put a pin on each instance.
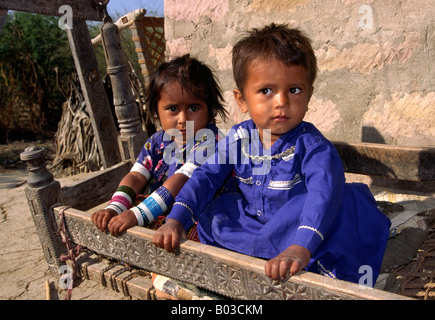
(122, 199)
(153, 206)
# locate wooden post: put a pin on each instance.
(103, 123)
(3, 15)
(42, 193)
(132, 137)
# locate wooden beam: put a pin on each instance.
(81, 9)
(395, 162)
(123, 23)
(95, 189)
(98, 106)
(222, 271)
(129, 281)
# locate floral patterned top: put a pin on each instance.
(159, 157)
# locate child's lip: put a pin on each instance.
(280, 118)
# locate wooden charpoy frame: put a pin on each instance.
(225, 272)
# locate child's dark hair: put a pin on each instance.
(289, 46)
(194, 77)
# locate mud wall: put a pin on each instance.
(376, 59)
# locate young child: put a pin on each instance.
(181, 92)
(295, 208)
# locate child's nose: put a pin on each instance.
(281, 100)
(182, 116)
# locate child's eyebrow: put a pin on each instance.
(260, 86)
(300, 85)
(169, 105)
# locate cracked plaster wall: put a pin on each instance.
(376, 59)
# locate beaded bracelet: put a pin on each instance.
(122, 199)
(153, 206)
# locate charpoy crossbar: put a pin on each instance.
(395, 162)
(82, 9)
(221, 271)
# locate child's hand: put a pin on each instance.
(101, 218)
(122, 222)
(292, 259)
(169, 235)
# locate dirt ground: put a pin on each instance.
(23, 269)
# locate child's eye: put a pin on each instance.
(172, 109)
(266, 91)
(295, 90)
(194, 108)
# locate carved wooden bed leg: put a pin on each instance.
(132, 137)
(42, 193)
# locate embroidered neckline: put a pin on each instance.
(285, 153)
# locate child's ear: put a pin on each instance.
(238, 96)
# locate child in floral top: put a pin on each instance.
(186, 98)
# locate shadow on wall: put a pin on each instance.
(371, 134)
(422, 161)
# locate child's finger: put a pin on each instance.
(105, 222)
(295, 267)
(167, 242)
(268, 268)
(273, 269)
(284, 268)
(157, 239)
(93, 216)
(122, 227)
(113, 228)
(175, 240)
(100, 222)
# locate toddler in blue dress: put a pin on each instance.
(294, 207)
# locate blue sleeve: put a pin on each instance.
(200, 189)
(324, 177)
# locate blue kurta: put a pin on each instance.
(293, 194)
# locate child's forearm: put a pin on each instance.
(153, 206)
(159, 201)
(175, 183)
(126, 192)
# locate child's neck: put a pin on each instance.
(267, 139)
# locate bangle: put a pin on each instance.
(122, 199)
(166, 196)
(128, 191)
(187, 169)
(150, 209)
(116, 207)
(154, 205)
(140, 220)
